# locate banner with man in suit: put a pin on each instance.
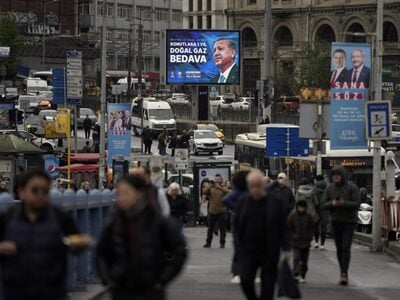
(350, 80)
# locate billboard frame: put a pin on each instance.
(167, 82)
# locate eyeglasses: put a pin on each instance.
(40, 190)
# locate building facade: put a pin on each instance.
(61, 16)
(298, 21)
(123, 18)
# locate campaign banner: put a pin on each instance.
(203, 57)
(350, 81)
(119, 131)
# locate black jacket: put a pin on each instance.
(179, 206)
(320, 187)
(39, 269)
(285, 194)
(301, 229)
(233, 76)
(276, 235)
(87, 123)
(346, 213)
(138, 251)
(147, 136)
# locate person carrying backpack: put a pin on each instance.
(33, 252)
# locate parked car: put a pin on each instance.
(222, 101)
(178, 98)
(83, 112)
(205, 141)
(219, 132)
(44, 144)
(288, 103)
(242, 103)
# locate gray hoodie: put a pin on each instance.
(307, 194)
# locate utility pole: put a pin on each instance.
(128, 93)
(140, 70)
(102, 159)
(44, 33)
(376, 217)
(267, 52)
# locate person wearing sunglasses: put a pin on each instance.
(33, 251)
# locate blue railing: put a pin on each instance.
(91, 212)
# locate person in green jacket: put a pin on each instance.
(342, 199)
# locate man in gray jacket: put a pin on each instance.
(342, 199)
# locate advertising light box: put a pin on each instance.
(203, 57)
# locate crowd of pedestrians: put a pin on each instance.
(143, 248)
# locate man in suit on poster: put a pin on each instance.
(339, 74)
(224, 58)
(359, 73)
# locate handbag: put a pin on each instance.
(287, 285)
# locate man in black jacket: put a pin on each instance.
(283, 192)
(32, 252)
(147, 140)
(260, 235)
(87, 125)
(342, 199)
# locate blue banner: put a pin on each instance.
(203, 57)
(119, 131)
(350, 80)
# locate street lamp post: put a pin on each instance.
(44, 29)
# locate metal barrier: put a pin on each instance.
(390, 217)
(90, 212)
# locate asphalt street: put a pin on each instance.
(206, 275)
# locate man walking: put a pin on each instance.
(32, 251)
(260, 235)
(216, 211)
(147, 140)
(87, 125)
(283, 192)
(321, 226)
(342, 198)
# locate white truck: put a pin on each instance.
(156, 114)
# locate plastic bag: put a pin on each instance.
(287, 285)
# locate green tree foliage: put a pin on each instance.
(10, 37)
(308, 66)
(312, 66)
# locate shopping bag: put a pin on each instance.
(287, 285)
(203, 209)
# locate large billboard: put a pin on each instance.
(119, 131)
(203, 57)
(350, 80)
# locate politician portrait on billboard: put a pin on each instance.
(203, 57)
(350, 79)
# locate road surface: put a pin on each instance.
(206, 275)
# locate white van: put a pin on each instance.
(156, 114)
(37, 85)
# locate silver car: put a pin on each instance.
(83, 112)
(206, 141)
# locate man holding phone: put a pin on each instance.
(342, 199)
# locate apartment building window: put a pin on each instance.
(86, 8)
(148, 63)
(156, 63)
(109, 35)
(251, 2)
(200, 5)
(209, 8)
(209, 22)
(177, 17)
(190, 5)
(190, 22)
(157, 37)
(147, 37)
(123, 36)
(124, 11)
(161, 15)
(200, 22)
(109, 9)
(122, 62)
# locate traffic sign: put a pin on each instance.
(59, 86)
(74, 63)
(74, 72)
(378, 120)
(73, 54)
(74, 92)
(181, 159)
(74, 82)
(74, 101)
(283, 141)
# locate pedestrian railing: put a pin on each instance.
(390, 218)
(91, 212)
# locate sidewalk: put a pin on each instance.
(206, 275)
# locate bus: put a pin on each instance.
(251, 148)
